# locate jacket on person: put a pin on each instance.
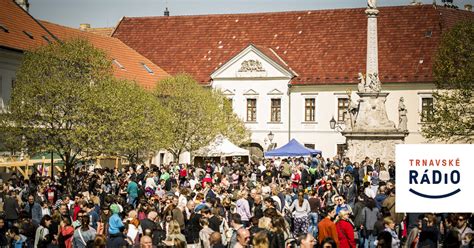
(345, 232)
(327, 228)
(36, 212)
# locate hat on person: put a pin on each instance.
(114, 208)
(200, 207)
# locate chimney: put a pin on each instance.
(167, 12)
(468, 7)
(84, 26)
(24, 4)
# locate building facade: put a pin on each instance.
(291, 73)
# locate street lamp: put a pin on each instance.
(270, 138)
(334, 126)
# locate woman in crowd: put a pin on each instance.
(300, 209)
(369, 216)
(174, 233)
(83, 235)
(345, 230)
(66, 232)
(43, 237)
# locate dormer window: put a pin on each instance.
(28, 34)
(147, 68)
(4, 28)
(118, 64)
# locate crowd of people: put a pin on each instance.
(280, 202)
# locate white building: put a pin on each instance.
(290, 73)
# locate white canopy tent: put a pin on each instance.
(221, 147)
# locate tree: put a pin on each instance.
(139, 122)
(197, 115)
(453, 113)
(66, 100)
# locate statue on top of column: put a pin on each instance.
(372, 4)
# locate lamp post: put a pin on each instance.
(270, 138)
(334, 126)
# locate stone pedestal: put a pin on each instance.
(372, 114)
(374, 144)
(372, 134)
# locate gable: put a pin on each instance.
(252, 63)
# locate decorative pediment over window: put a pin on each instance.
(251, 93)
(275, 92)
(228, 92)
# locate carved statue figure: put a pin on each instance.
(402, 115)
(351, 114)
(372, 4)
(374, 85)
(361, 85)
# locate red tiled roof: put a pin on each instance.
(17, 21)
(100, 31)
(322, 46)
(126, 56)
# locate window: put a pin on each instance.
(276, 110)
(118, 64)
(46, 38)
(229, 103)
(251, 109)
(28, 34)
(341, 149)
(342, 105)
(310, 146)
(4, 28)
(148, 69)
(426, 109)
(309, 109)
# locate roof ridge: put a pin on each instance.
(272, 13)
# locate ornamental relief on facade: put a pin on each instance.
(251, 68)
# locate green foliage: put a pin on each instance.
(66, 100)
(197, 115)
(453, 115)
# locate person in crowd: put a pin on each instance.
(390, 228)
(300, 209)
(243, 237)
(463, 229)
(306, 240)
(429, 234)
(243, 208)
(174, 232)
(369, 215)
(345, 230)
(17, 240)
(84, 234)
(66, 232)
(329, 243)
(34, 210)
(205, 233)
(42, 236)
(146, 242)
(3, 233)
(327, 228)
(260, 240)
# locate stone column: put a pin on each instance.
(372, 43)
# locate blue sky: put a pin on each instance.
(106, 13)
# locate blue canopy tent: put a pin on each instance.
(292, 149)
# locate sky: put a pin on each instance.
(107, 13)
